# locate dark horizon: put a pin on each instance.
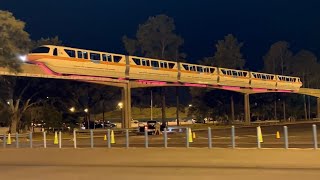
(201, 23)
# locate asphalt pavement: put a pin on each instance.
(159, 163)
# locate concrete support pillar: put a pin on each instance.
(126, 110)
(318, 107)
(247, 108)
(232, 109)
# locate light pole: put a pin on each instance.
(120, 105)
(86, 110)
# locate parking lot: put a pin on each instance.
(299, 136)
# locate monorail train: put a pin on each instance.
(70, 61)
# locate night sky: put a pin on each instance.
(100, 24)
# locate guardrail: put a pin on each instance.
(108, 135)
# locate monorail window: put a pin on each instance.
(234, 73)
(104, 57)
(192, 68)
(155, 64)
(41, 50)
(212, 70)
(223, 71)
(85, 55)
(117, 58)
(79, 54)
(271, 77)
(199, 69)
(263, 76)
(55, 52)
(145, 62)
(95, 56)
(163, 64)
(171, 65)
(268, 77)
(245, 74)
(71, 53)
(137, 61)
(186, 67)
(254, 75)
(205, 70)
(229, 72)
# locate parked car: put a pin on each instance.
(107, 124)
(150, 126)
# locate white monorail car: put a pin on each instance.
(66, 60)
(152, 69)
(263, 80)
(193, 73)
(232, 77)
(288, 83)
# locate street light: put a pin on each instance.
(8, 102)
(86, 110)
(190, 105)
(72, 109)
(120, 104)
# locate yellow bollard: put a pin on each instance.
(278, 135)
(55, 138)
(190, 135)
(112, 138)
(260, 134)
(193, 135)
(105, 137)
(9, 139)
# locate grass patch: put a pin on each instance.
(144, 113)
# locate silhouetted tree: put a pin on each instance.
(304, 65)
(278, 58)
(14, 41)
(228, 53)
(47, 41)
